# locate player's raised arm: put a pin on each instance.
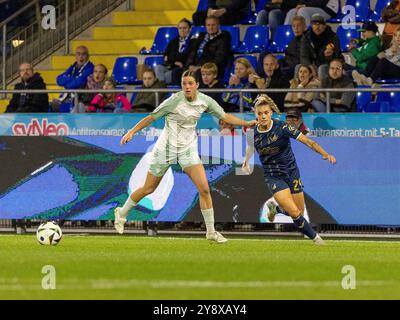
(317, 148)
(249, 151)
(139, 126)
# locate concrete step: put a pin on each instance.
(115, 47)
(143, 18)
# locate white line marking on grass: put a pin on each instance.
(108, 284)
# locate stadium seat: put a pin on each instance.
(283, 36)
(124, 71)
(196, 30)
(152, 62)
(230, 71)
(376, 14)
(389, 97)
(345, 35)
(235, 36)
(362, 9)
(387, 81)
(255, 40)
(377, 107)
(202, 6)
(163, 36)
(363, 99)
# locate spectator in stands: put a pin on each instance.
(272, 78)
(340, 101)
(74, 77)
(209, 76)
(304, 79)
(175, 55)
(307, 8)
(295, 119)
(274, 14)
(292, 54)
(239, 80)
(365, 49)
(386, 65)
(109, 102)
(229, 12)
(319, 46)
(94, 82)
(211, 46)
(146, 101)
(26, 102)
(390, 15)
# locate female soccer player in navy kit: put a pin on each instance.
(271, 139)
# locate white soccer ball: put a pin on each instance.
(49, 233)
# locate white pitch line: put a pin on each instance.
(108, 284)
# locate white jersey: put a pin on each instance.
(181, 117)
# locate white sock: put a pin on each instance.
(128, 206)
(208, 215)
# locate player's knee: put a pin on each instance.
(204, 191)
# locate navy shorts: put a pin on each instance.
(289, 180)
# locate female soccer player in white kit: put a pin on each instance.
(178, 144)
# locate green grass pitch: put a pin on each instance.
(138, 267)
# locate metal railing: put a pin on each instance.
(157, 92)
(33, 43)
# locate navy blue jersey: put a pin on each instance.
(274, 148)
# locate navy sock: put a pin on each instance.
(302, 224)
(280, 210)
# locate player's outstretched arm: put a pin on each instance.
(238, 122)
(317, 148)
(139, 126)
(246, 163)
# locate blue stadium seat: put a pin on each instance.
(345, 35)
(363, 99)
(391, 98)
(362, 9)
(283, 36)
(376, 14)
(152, 62)
(260, 5)
(124, 71)
(255, 40)
(395, 101)
(235, 36)
(163, 36)
(196, 30)
(202, 6)
(230, 71)
(388, 81)
(377, 107)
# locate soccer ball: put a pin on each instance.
(49, 233)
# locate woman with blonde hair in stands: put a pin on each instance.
(304, 79)
(239, 80)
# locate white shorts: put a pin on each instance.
(162, 159)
